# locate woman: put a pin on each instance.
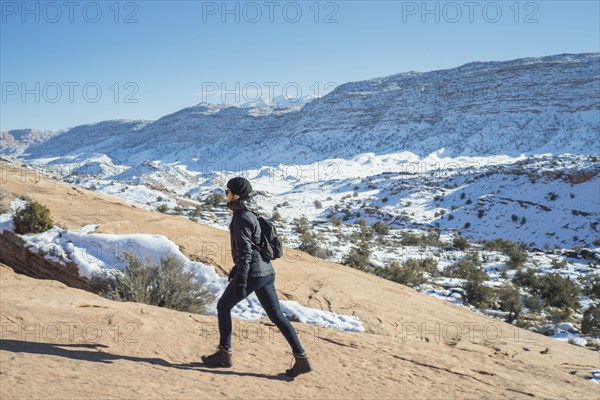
(251, 273)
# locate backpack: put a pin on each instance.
(271, 244)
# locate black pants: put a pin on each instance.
(264, 287)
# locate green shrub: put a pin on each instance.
(517, 253)
(33, 218)
(215, 199)
(163, 208)
(197, 212)
(310, 244)
(381, 228)
(460, 243)
(476, 292)
(358, 257)
(335, 220)
(163, 284)
(535, 304)
(465, 266)
(526, 278)
(510, 300)
(590, 325)
(178, 210)
(590, 286)
(301, 224)
(557, 315)
(428, 264)
(406, 274)
(556, 264)
(557, 291)
(430, 238)
(276, 216)
(469, 268)
(517, 256)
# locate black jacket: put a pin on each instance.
(244, 231)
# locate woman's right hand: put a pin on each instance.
(231, 274)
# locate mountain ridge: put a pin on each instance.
(526, 106)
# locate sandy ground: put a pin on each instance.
(60, 342)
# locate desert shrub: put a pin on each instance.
(163, 208)
(310, 244)
(428, 264)
(526, 278)
(178, 210)
(461, 269)
(196, 212)
(517, 256)
(590, 324)
(510, 300)
(590, 286)
(469, 268)
(557, 291)
(460, 243)
(301, 224)
(361, 222)
(517, 253)
(535, 304)
(335, 220)
(476, 292)
(318, 204)
(33, 218)
(163, 284)
(557, 315)
(276, 216)
(551, 196)
(558, 264)
(381, 228)
(407, 274)
(358, 257)
(215, 199)
(429, 238)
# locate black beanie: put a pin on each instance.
(240, 186)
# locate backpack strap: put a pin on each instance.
(256, 215)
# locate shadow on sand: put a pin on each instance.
(94, 353)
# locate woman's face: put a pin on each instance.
(230, 196)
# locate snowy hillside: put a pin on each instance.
(15, 141)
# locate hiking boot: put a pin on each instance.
(222, 358)
(301, 366)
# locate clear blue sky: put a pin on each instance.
(179, 49)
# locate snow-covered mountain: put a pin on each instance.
(531, 105)
(14, 141)
(279, 101)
